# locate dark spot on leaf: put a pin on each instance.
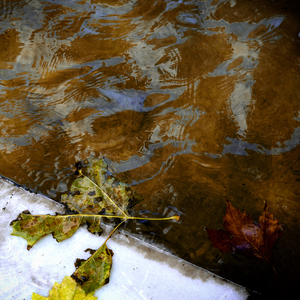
(90, 250)
(80, 280)
(97, 200)
(78, 262)
(77, 279)
(74, 193)
(70, 211)
(92, 193)
(102, 212)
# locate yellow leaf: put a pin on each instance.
(67, 290)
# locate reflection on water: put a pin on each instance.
(189, 102)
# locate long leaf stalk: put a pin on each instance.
(112, 232)
(113, 216)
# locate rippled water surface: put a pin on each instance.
(190, 102)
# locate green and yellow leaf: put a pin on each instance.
(98, 191)
(94, 272)
(32, 228)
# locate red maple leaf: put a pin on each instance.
(244, 236)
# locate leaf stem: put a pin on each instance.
(155, 219)
(113, 232)
(111, 217)
(80, 172)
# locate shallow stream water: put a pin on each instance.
(190, 102)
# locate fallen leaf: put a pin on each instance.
(66, 290)
(94, 272)
(33, 228)
(86, 198)
(244, 236)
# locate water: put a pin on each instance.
(190, 102)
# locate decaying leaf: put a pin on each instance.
(94, 272)
(66, 290)
(86, 198)
(33, 228)
(244, 236)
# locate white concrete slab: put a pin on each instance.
(139, 271)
